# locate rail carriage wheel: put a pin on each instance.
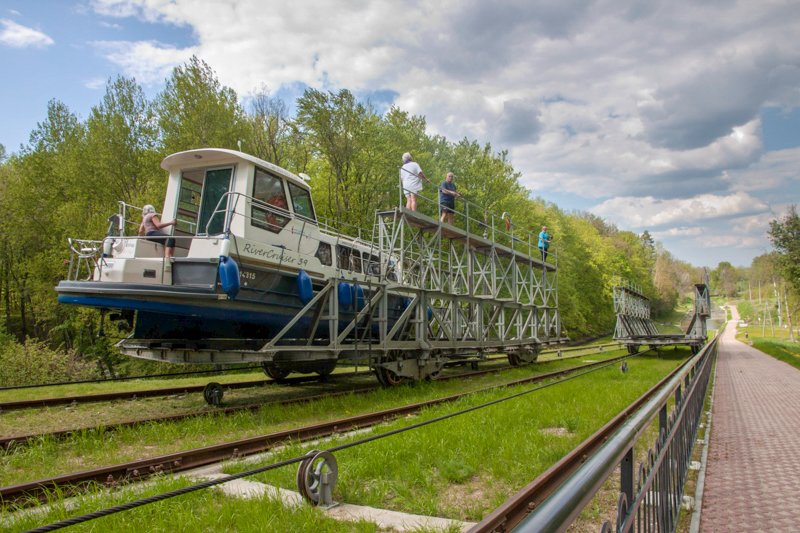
(273, 371)
(213, 393)
(325, 369)
(386, 377)
(633, 349)
(514, 359)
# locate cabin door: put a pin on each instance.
(212, 215)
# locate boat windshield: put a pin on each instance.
(301, 202)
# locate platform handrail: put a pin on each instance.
(497, 228)
(660, 482)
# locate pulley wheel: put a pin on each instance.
(317, 476)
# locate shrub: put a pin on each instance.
(33, 362)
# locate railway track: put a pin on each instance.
(186, 389)
(24, 439)
(26, 494)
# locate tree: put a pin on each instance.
(350, 172)
(725, 279)
(271, 131)
(122, 148)
(197, 111)
(785, 236)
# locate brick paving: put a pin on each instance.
(753, 470)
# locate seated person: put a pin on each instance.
(151, 227)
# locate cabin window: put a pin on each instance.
(202, 205)
(373, 264)
(213, 203)
(348, 259)
(189, 201)
(269, 208)
(324, 253)
(301, 201)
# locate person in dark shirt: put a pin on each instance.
(447, 198)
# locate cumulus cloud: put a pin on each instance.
(18, 36)
(678, 232)
(147, 61)
(95, 83)
(646, 211)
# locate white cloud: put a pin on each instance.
(18, 36)
(95, 83)
(147, 61)
(678, 232)
(646, 211)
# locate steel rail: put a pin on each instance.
(127, 378)
(26, 493)
(20, 440)
(24, 439)
(149, 393)
(516, 508)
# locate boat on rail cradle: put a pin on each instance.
(256, 277)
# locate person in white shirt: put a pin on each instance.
(411, 176)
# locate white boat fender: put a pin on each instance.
(304, 287)
(225, 247)
(229, 276)
(107, 244)
(345, 295)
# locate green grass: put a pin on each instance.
(783, 350)
(92, 449)
(204, 510)
(466, 466)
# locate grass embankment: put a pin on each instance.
(772, 340)
(460, 468)
(466, 466)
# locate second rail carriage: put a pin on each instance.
(256, 277)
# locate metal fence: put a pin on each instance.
(650, 495)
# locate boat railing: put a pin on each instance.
(477, 220)
(85, 255)
(121, 226)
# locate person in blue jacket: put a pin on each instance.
(544, 242)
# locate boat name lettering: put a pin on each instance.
(276, 255)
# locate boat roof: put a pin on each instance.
(212, 156)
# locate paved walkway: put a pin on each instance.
(753, 472)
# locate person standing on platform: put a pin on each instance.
(544, 242)
(411, 177)
(447, 198)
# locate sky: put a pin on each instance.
(678, 117)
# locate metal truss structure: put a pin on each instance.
(478, 294)
(633, 313)
(635, 328)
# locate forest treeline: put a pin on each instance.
(68, 178)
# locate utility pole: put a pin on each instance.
(778, 297)
(788, 313)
